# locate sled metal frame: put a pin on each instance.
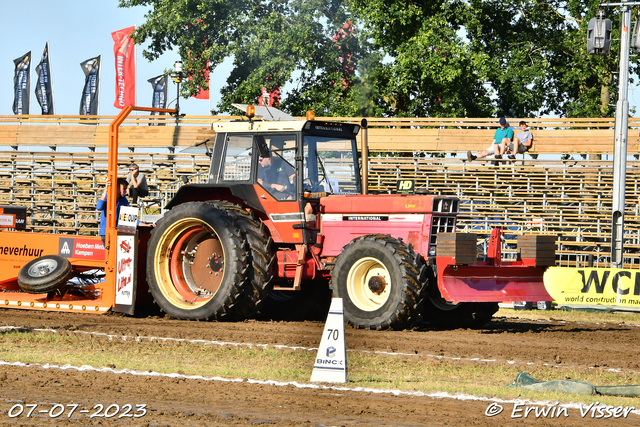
(104, 293)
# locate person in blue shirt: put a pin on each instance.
(102, 205)
(503, 133)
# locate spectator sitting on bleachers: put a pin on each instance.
(504, 133)
(523, 141)
(138, 184)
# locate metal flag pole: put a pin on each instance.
(99, 83)
(29, 82)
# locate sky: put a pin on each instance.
(78, 30)
(81, 29)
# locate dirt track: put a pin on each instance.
(172, 401)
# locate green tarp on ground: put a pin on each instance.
(526, 381)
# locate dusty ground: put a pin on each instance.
(173, 401)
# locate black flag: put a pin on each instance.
(22, 84)
(91, 91)
(159, 100)
(44, 87)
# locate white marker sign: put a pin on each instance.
(331, 362)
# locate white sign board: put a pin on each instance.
(125, 269)
(7, 220)
(128, 217)
(331, 362)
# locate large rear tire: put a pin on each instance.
(44, 274)
(377, 277)
(258, 286)
(197, 263)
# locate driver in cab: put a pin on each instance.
(277, 176)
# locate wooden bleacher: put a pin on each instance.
(56, 166)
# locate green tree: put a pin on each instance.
(442, 58)
(539, 61)
(268, 41)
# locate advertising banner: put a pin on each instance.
(593, 286)
(22, 84)
(89, 104)
(124, 51)
(20, 214)
(125, 270)
(203, 94)
(44, 87)
(159, 99)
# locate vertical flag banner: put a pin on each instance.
(22, 84)
(125, 54)
(203, 94)
(91, 92)
(159, 100)
(44, 87)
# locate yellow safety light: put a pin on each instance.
(251, 111)
(310, 115)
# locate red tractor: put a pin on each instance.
(283, 211)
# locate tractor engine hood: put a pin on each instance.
(388, 203)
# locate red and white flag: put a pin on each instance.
(125, 54)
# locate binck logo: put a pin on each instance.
(331, 352)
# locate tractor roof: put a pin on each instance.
(270, 119)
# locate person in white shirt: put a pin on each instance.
(137, 184)
(521, 142)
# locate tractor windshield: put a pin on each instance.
(330, 165)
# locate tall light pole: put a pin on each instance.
(620, 145)
(177, 76)
(598, 43)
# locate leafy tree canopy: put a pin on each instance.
(447, 58)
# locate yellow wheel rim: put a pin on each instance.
(368, 284)
(189, 263)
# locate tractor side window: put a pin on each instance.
(276, 165)
(330, 165)
(237, 159)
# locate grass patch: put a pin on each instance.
(365, 369)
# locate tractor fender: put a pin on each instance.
(240, 194)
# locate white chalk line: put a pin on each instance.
(437, 394)
(294, 348)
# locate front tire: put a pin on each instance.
(377, 276)
(44, 274)
(197, 263)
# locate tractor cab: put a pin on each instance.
(280, 167)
